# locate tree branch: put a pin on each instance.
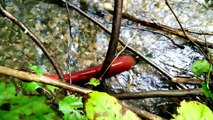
(166, 29)
(158, 93)
(35, 39)
(117, 16)
(26, 76)
(143, 113)
(70, 42)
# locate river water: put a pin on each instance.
(48, 21)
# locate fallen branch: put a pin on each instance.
(143, 113)
(158, 93)
(26, 76)
(187, 80)
(166, 29)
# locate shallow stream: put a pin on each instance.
(89, 44)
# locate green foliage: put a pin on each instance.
(200, 66)
(31, 86)
(21, 106)
(93, 81)
(7, 92)
(207, 92)
(193, 110)
(210, 53)
(51, 88)
(36, 69)
(69, 107)
(203, 66)
(101, 106)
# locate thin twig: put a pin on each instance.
(157, 32)
(35, 39)
(158, 93)
(70, 42)
(199, 33)
(188, 80)
(119, 54)
(110, 55)
(165, 29)
(161, 70)
(185, 34)
(142, 113)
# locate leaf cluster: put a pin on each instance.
(18, 106)
(200, 67)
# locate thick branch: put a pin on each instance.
(35, 39)
(33, 77)
(117, 16)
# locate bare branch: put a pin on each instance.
(70, 42)
(35, 39)
(143, 113)
(33, 77)
(166, 29)
(117, 16)
(158, 93)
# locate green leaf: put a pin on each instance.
(207, 92)
(31, 86)
(75, 115)
(193, 110)
(71, 102)
(101, 106)
(69, 105)
(37, 69)
(7, 92)
(199, 67)
(25, 107)
(52, 88)
(93, 81)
